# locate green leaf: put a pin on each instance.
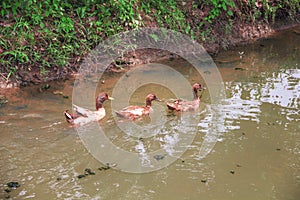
(42, 25)
(229, 13)
(154, 37)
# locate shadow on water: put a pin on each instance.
(251, 148)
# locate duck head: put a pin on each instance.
(197, 87)
(103, 96)
(150, 98)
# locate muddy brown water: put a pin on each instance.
(257, 136)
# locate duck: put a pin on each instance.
(134, 112)
(185, 105)
(84, 116)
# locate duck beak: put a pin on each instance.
(202, 88)
(111, 98)
(157, 99)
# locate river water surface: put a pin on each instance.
(255, 151)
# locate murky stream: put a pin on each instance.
(255, 137)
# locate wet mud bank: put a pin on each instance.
(242, 34)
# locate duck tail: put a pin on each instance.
(69, 117)
(118, 113)
(170, 106)
(80, 111)
(125, 115)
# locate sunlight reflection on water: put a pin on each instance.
(246, 99)
(36, 154)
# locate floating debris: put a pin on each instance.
(57, 92)
(238, 165)
(89, 171)
(7, 190)
(232, 171)
(269, 123)
(239, 68)
(159, 157)
(81, 176)
(104, 167)
(13, 184)
(278, 149)
(203, 180)
(64, 176)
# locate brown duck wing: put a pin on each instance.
(190, 105)
(183, 105)
(132, 112)
(175, 105)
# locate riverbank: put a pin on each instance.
(243, 34)
(47, 42)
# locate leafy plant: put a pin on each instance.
(217, 7)
(55, 33)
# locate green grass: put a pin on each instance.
(55, 34)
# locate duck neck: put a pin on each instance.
(98, 105)
(195, 92)
(148, 103)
